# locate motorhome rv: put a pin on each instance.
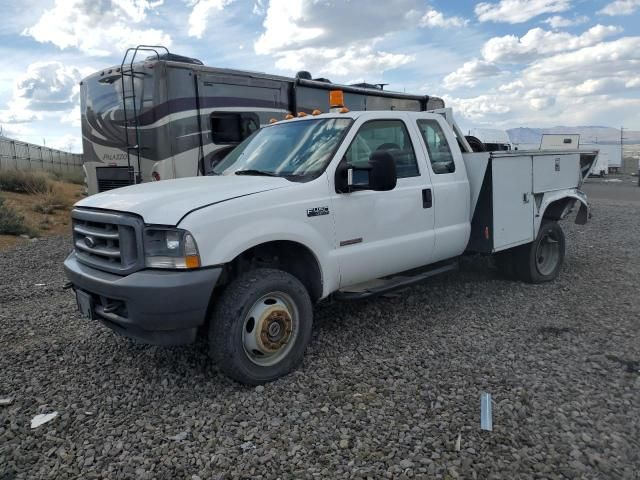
(170, 116)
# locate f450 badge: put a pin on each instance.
(317, 211)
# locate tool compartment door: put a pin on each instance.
(555, 172)
(512, 201)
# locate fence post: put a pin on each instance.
(14, 156)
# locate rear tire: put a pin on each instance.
(260, 326)
(540, 261)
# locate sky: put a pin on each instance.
(498, 63)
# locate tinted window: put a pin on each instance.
(384, 135)
(229, 128)
(437, 146)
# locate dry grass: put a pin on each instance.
(19, 181)
(74, 176)
(44, 213)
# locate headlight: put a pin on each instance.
(170, 248)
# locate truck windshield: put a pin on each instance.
(298, 150)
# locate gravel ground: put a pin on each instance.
(387, 388)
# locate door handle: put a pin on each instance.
(427, 198)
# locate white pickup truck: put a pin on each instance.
(347, 204)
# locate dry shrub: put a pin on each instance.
(51, 201)
(11, 222)
(19, 181)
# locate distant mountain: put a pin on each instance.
(588, 134)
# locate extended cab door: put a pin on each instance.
(381, 233)
(451, 197)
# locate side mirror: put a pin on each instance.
(380, 175)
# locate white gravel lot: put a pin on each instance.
(386, 388)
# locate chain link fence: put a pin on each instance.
(27, 156)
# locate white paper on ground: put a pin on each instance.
(42, 418)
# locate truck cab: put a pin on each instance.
(348, 204)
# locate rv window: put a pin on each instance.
(232, 127)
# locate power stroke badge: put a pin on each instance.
(317, 211)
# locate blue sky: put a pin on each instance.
(503, 63)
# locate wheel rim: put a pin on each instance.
(547, 254)
(270, 329)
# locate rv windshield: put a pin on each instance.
(298, 150)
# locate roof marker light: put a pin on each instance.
(289, 116)
(301, 114)
(316, 112)
(273, 120)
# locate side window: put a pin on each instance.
(437, 146)
(231, 127)
(387, 135)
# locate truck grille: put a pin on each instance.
(108, 241)
(110, 178)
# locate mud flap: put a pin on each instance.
(583, 213)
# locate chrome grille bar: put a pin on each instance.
(102, 251)
(97, 232)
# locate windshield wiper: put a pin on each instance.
(256, 172)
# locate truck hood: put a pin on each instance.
(166, 202)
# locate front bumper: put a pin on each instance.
(155, 306)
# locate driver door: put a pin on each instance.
(381, 233)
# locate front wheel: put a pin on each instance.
(540, 261)
(261, 326)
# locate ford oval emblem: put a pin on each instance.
(89, 242)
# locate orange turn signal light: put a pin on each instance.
(192, 261)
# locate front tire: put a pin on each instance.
(540, 261)
(261, 326)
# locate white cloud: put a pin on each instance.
(536, 42)
(72, 117)
(97, 28)
(259, 7)
(340, 38)
(470, 73)
(47, 90)
(434, 18)
(354, 60)
(48, 86)
(558, 21)
(621, 7)
(202, 10)
(593, 84)
(618, 58)
(66, 143)
(285, 26)
(518, 11)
